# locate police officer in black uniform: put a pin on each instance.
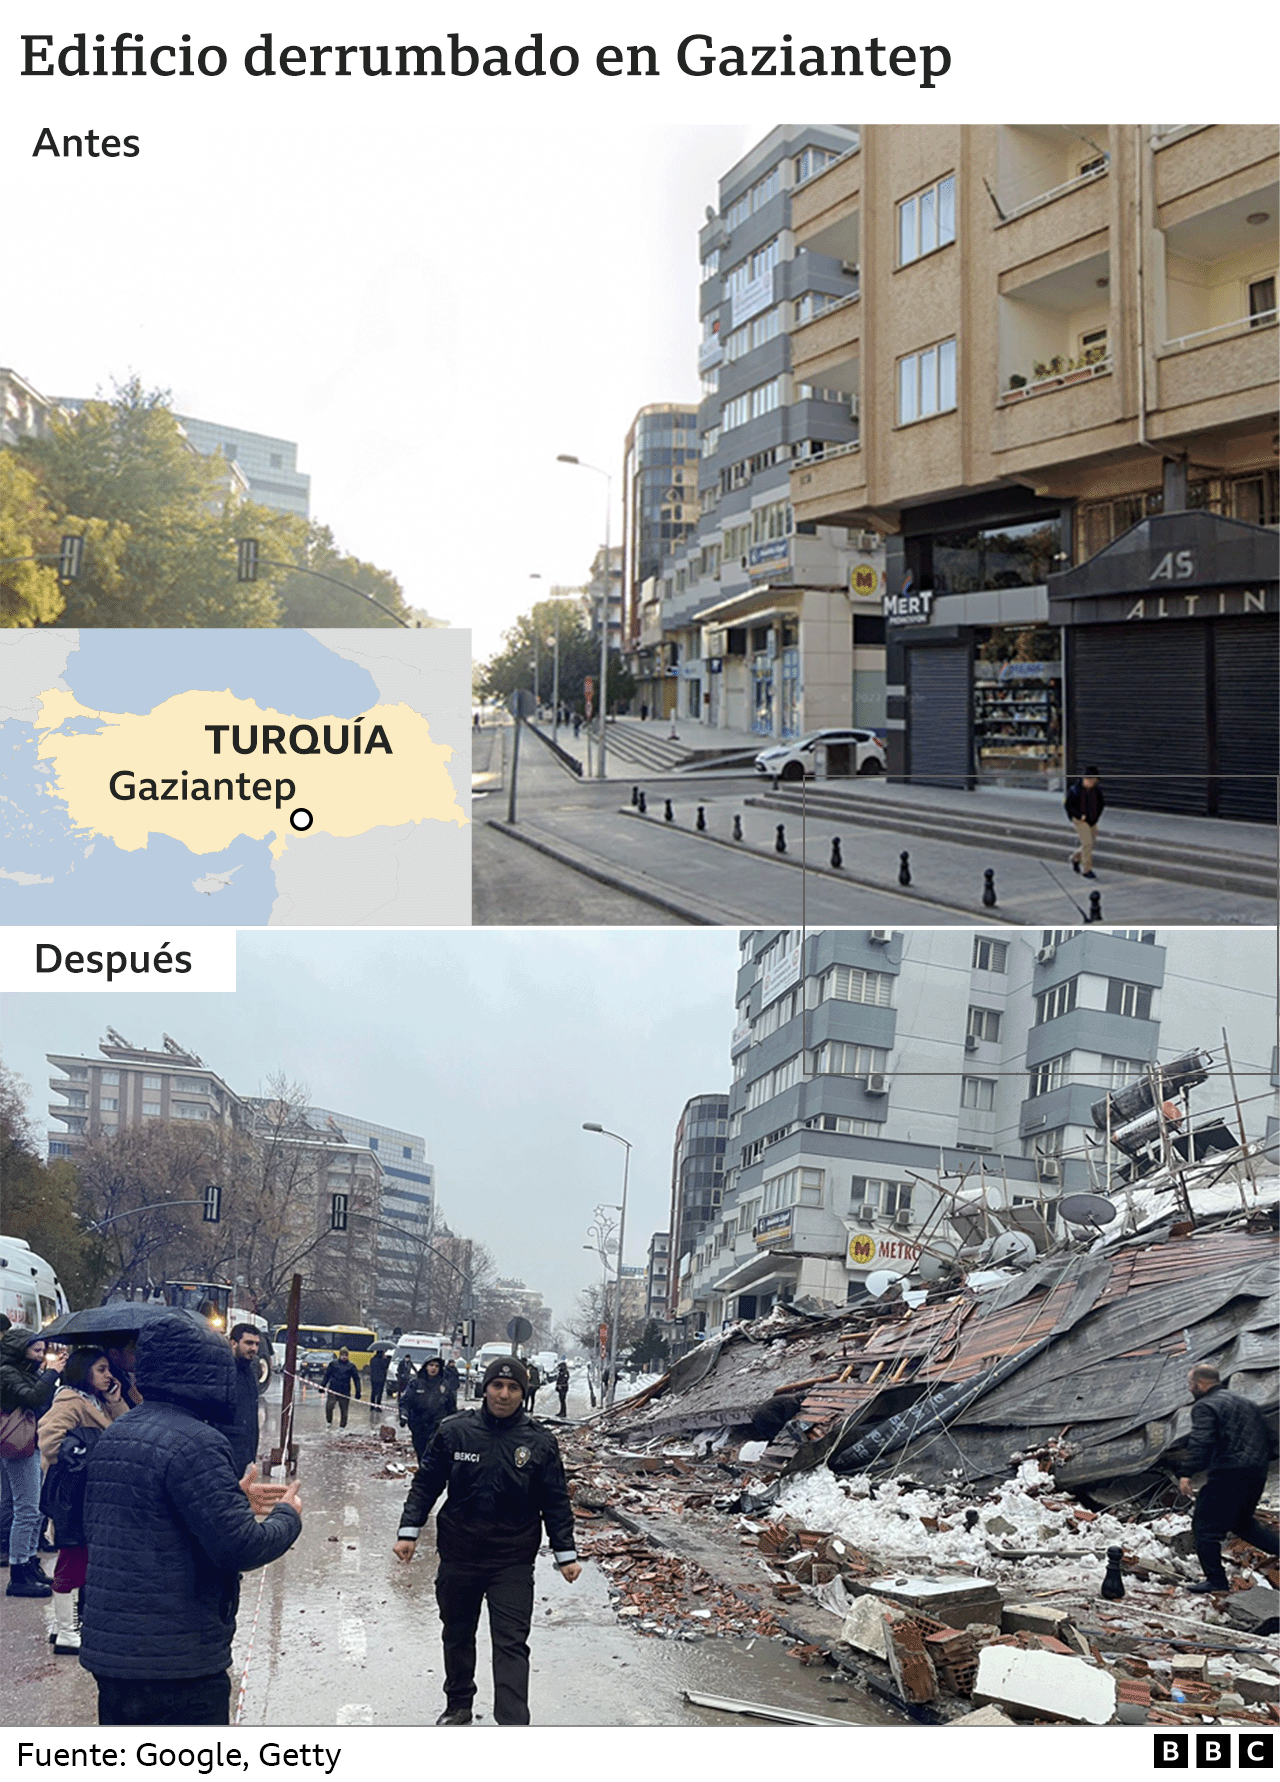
(505, 1482)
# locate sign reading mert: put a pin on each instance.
(909, 606)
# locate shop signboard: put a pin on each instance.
(773, 1228)
(866, 1250)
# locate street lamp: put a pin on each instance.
(568, 458)
(593, 1126)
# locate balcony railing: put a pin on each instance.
(1079, 374)
(1055, 192)
(1223, 331)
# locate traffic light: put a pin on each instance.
(337, 1212)
(246, 560)
(70, 557)
(212, 1203)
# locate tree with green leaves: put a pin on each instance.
(44, 1202)
(160, 522)
(308, 600)
(534, 634)
(29, 591)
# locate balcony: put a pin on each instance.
(1231, 369)
(831, 490)
(1186, 164)
(827, 350)
(824, 210)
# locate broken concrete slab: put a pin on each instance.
(988, 1716)
(1256, 1686)
(863, 1627)
(1257, 1610)
(957, 1601)
(1034, 1683)
(1034, 1618)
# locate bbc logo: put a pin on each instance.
(1213, 1751)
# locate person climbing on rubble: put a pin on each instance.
(1234, 1444)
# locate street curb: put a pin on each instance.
(647, 892)
(979, 919)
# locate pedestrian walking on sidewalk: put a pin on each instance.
(1084, 804)
(425, 1403)
(28, 1381)
(170, 1529)
(1234, 1443)
(379, 1367)
(337, 1381)
(534, 1387)
(89, 1398)
(562, 1387)
(505, 1483)
(244, 1432)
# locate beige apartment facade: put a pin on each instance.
(1063, 347)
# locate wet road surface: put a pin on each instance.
(338, 1633)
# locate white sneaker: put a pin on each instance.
(66, 1627)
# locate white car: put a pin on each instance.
(796, 759)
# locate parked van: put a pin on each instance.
(420, 1346)
(30, 1292)
(486, 1353)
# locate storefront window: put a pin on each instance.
(1016, 556)
(1017, 703)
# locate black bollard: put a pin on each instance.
(1113, 1583)
(780, 840)
(737, 828)
(641, 805)
(989, 888)
(669, 813)
(904, 868)
(635, 795)
(837, 858)
(702, 817)
(1095, 907)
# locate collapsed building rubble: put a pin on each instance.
(928, 1483)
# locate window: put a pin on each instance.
(711, 265)
(1052, 1074)
(927, 383)
(798, 1187)
(373, 1144)
(841, 1123)
(927, 221)
(1058, 1001)
(1128, 999)
(840, 1058)
(812, 160)
(850, 983)
(984, 1024)
(153, 1082)
(1117, 1072)
(1262, 302)
(871, 1194)
(109, 1076)
(109, 1101)
(978, 1092)
(151, 1107)
(738, 211)
(1146, 936)
(771, 521)
(189, 1110)
(989, 955)
(710, 384)
(277, 461)
(767, 188)
(1094, 346)
(406, 1150)
(1054, 937)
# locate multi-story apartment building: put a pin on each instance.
(659, 512)
(877, 1073)
(697, 1172)
(658, 1276)
(605, 584)
(129, 1086)
(770, 625)
(407, 1215)
(269, 466)
(1064, 344)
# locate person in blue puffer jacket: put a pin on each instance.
(169, 1529)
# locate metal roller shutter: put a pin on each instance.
(1139, 710)
(1246, 665)
(938, 698)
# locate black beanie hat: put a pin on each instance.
(508, 1367)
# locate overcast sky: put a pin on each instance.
(494, 1045)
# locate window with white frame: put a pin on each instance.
(873, 1194)
(1146, 936)
(978, 1092)
(151, 1107)
(797, 1187)
(1117, 1073)
(711, 265)
(984, 1024)
(850, 983)
(1050, 1074)
(812, 160)
(989, 955)
(111, 1102)
(1262, 301)
(841, 1058)
(773, 520)
(711, 442)
(109, 1076)
(737, 541)
(153, 1082)
(1058, 1001)
(841, 1123)
(927, 382)
(738, 211)
(1128, 999)
(927, 220)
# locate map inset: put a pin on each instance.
(238, 778)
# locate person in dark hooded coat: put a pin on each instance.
(169, 1531)
(425, 1403)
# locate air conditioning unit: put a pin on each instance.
(902, 1221)
(849, 269)
(970, 1042)
(877, 1083)
(1046, 955)
(864, 1215)
(867, 541)
(1050, 1169)
(880, 937)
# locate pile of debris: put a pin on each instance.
(666, 1597)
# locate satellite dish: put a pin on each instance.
(880, 1280)
(710, 213)
(934, 1261)
(1086, 1209)
(1011, 1247)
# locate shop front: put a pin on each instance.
(1172, 665)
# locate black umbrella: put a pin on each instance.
(122, 1317)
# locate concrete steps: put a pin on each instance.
(1052, 842)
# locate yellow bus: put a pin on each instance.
(318, 1344)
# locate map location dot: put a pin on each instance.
(301, 819)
